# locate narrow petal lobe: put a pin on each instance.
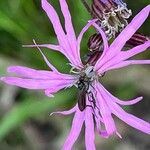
(75, 130)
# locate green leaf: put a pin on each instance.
(11, 26)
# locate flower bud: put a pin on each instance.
(95, 42)
(95, 46)
(137, 39)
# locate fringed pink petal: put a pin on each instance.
(122, 102)
(126, 117)
(105, 43)
(125, 55)
(89, 130)
(75, 130)
(126, 103)
(26, 72)
(68, 22)
(49, 92)
(88, 25)
(130, 119)
(105, 39)
(61, 49)
(105, 112)
(45, 59)
(36, 83)
(69, 27)
(66, 112)
(102, 132)
(30, 73)
(62, 38)
(99, 121)
(125, 35)
(128, 63)
(51, 13)
(134, 51)
(50, 46)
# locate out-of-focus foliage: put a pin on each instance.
(20, 22)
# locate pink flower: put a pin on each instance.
(107, 12)
(100, 104)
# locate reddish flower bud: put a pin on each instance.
(137, 39)
(95, 45)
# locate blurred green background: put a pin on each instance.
(25, 123)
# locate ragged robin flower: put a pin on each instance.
(95, 105)
(112, 15)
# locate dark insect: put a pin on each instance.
(85, 94)
(83, 84)
(82, 100)
(82, 95)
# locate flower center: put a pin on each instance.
(86, 77)
(84, 84)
